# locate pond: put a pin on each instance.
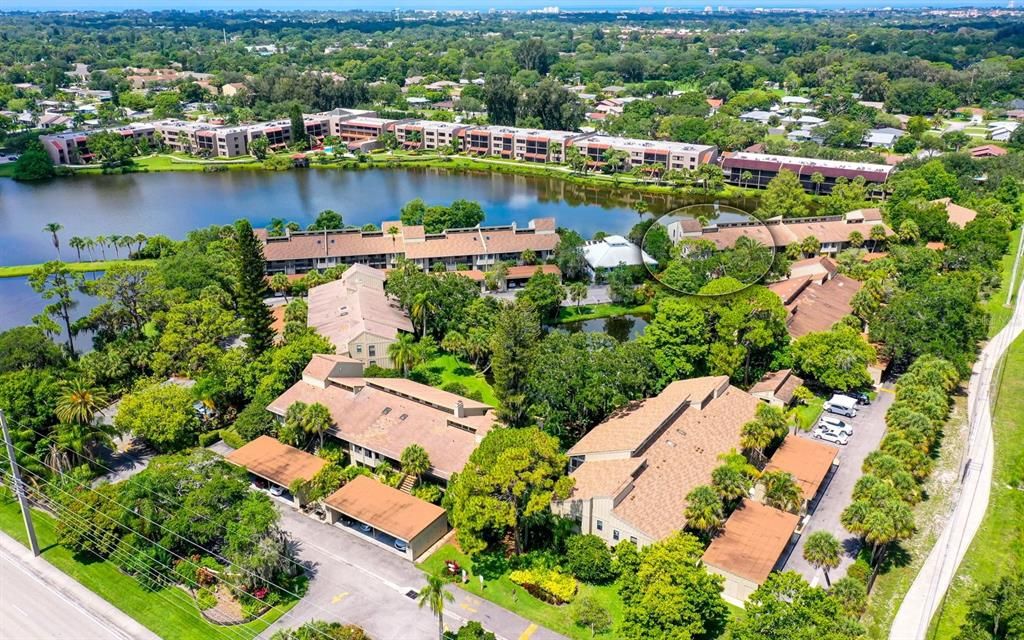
(622, 328)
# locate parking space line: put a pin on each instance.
(530, 630)
(338, 598)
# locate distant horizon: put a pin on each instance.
(483, 5)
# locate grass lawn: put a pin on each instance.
(452, 369)
(999, 314)
(808, 413)
(169, 613)
(595, 311)
(929, 515)
(511, 596)
(6, 170)
(998, 547)
(23, 270)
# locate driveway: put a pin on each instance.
(359, 583)
(868, 430)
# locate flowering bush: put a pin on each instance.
(548, 585)
(452, 569)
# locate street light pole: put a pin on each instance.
(19, 488)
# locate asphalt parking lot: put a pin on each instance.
(868, 430)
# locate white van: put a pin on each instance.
(842, 405)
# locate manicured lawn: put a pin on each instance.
(452, 369)
(998, 547)
(595, 311)
(6, 170)
(930, 515)
(999, 313)
(169, 613)
(507, 594)
(808, 413)
(23, 270)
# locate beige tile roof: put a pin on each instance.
(752, 541)
(344, 309)
(806, 460)
(958, 215)
(366, 412)
(817, 307)
(779, 384)
(485, 240)
(382, 507)
(275, 461)
(603, 478)
(628, 428)
(682, 458)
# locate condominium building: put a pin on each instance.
(758, 169)
(529, 145)
(672, 156)
(428, 134)
(473, 248)
(633, 471)
(375, 419)
(360, 128)
(72, 147)
(201, 138)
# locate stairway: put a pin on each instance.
(408, 482)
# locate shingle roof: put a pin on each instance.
(754, 537)
(806, 460)
(344, 309)
(275, 461)
(817, 307)
(779, 384)
(382, 507)
(958, 215)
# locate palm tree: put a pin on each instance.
(731, 482)
(77, 243)
(52, 228)
(90, 245)
(140, 239)
(781, 491)
(82, 439)
(403, 352)
(578, 293)
(822, 551)
(435, 595)
(856, 239)
(115, 241)
(415, 461)
(422, 307)
(279, 283)
(745, 178)
(755, 436)
(817, 180)
(317, 421)
(877, 234)
(79, 402)
(704, 509)
(101, 242)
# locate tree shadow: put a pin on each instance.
(463, 370)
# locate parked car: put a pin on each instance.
(836, 425)
(860, 397)
(401, 546)
(276, 490)
(830, 436)
(362, 526)
(842, 405)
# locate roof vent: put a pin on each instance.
(386, 411)
(403, 416)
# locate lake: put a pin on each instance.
(622, 328)
(175, 203)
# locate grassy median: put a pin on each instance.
(169, 613)
(999, 313)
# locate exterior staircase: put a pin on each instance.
(408, 482)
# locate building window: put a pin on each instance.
(359, 348)
(372, 349)
(632, 539)
(615, 534)
(600, 525)
(373, 363)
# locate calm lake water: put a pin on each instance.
(175, 203)
(621, 328)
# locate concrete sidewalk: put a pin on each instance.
(70, 600)
(930, 585)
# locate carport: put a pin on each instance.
(277, 463)
(811, 464)
(387, 516)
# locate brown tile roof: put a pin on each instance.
(321, 365)
(987, 151)
(630, 427)
(788, 289)
(483, 240)
(396, 513)
(786, 232)
(958, 215)
(603, 478)
(754, 537)
(683, 457)
(344, 309)
(525, 272)
(806, 460)
(387, 416)
(780, 384)
(275, 461)
(819, 306)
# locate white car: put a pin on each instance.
(830, 436)
(276, 490)
(835, 425)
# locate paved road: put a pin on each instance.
(37, 601)
(933, 580)
(359, 583)
(868, 430)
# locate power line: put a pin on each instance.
(191, 542)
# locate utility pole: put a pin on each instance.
(19, 488)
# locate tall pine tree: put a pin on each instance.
(251, 287)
